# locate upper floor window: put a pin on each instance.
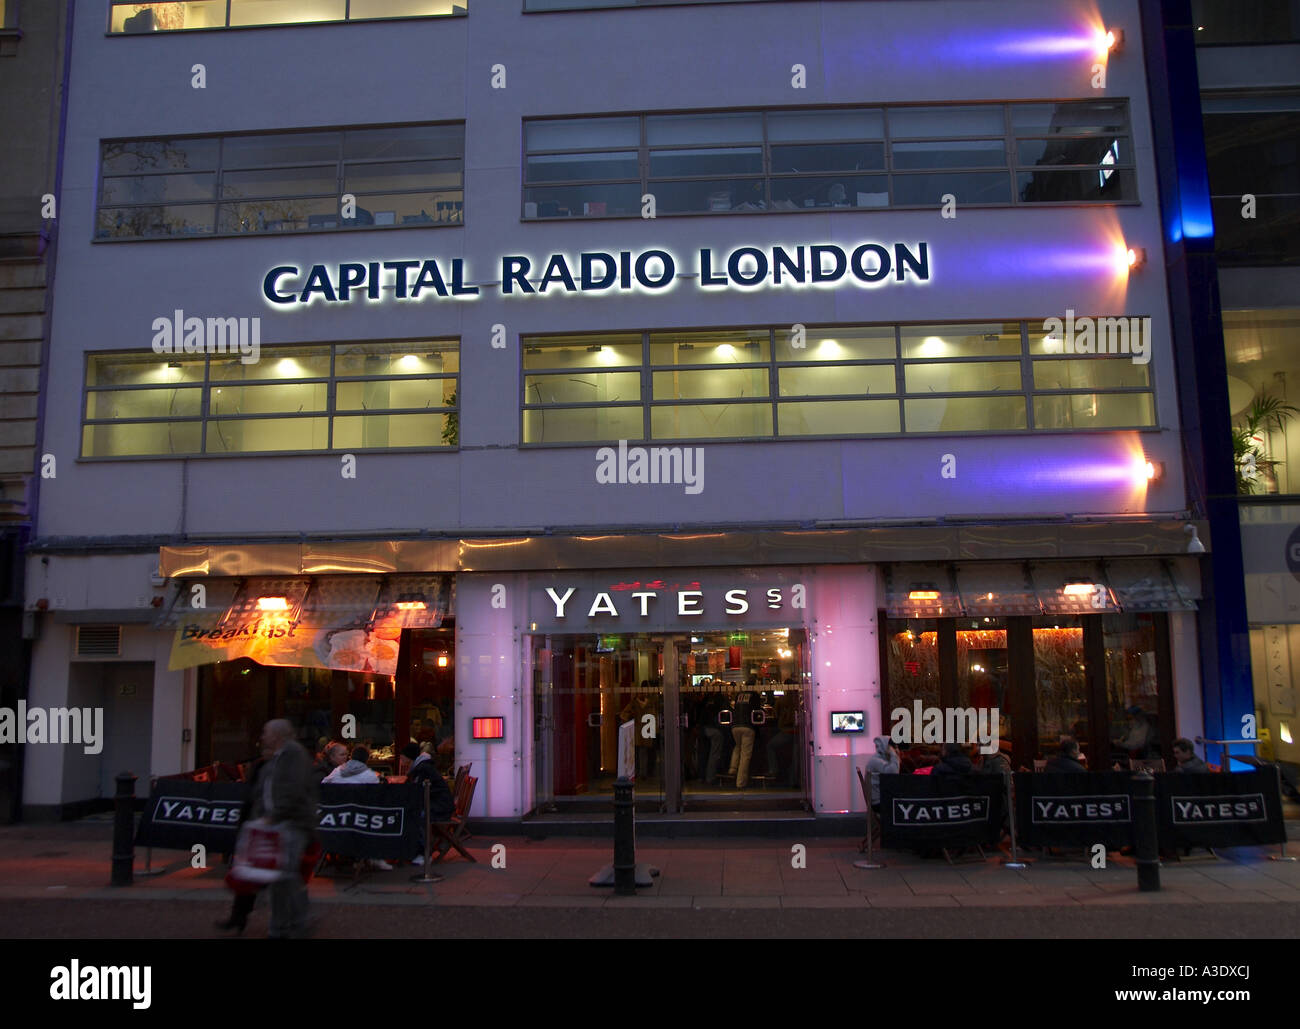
(577, 5)
(1230, 21)
(848, 381)
(302, 397)
(130, 18)
(284, 182)
(869, 157)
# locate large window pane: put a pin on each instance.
(144, 403)
(1103, 186)
(1100, 150)
(831, 380)
(142, 369)
(1262, 348)
(965, 414)
(1094, 411)
(707, 421)
(582, 388)
(913, 662)
(966, 377)
(710, 383)
(141, 439)
(578, 201)
(378, 394)
(285, 12)
(1062, 690)
(1089, 373)
(1074, 118)
(406, 175)
(582, 425)
(411, 357)
(1132, 688)
(256, 435)
(968, 187)
(275, 363)
(811, 125)
(827, 157)
(911, 122)
(618, 164)
(281, 398)
(990, 339)
(704, 128)
(962, 153)
(404, 142)
(582, 351)
(404, 8)
(289, 148)
(830, 191)
(711, 161)
(686, 348)
(158, 189)
(168, 17)
(279, 182)
(368, 432)
(579, 133)
(838, 343)
(154, 155)
(132, 222)
(837, 417)
(708, 195)
(280, 215)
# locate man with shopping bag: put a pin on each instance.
(285, 796)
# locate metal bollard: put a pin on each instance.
(1144, 831)
(624, 839)
(124, 830)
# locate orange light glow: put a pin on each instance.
(442, 660)
(923, 595)
(273, 603)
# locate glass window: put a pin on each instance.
(1254, 151)
(1090, 373)
(993, 339)
(287, 182)
(1094, 411)
(830, 380)
(587, 387)
(582, 351)
(711, 383)
(166, 17)
(965, 414)
(685, 348)
(1132, 689)
(749, 161)
(838, 343)
(1263, 356)
(837, 418)
(285, 401)
(1062, 693)
(913, 662)
(284, 12)
(582, 425)
(710, 421)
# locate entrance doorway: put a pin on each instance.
(720, 719)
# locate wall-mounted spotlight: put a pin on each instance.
(1154, 470)
(1109, 42)
(1135, 257)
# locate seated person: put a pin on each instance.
(334, 755)
(955, 761)
(999, 762)
(1185, 755)
(441, 802)
(1067, 757)
(355, 772)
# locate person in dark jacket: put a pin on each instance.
(1185, 755)
(1067, 757)
(954, 761)
(242, 905)
(424, 769)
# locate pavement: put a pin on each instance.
(72, 862)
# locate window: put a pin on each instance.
(286, 182)
(342, 396)
(1251, 148)
(132, 18)
(572, 5)
(1229, 22)
(870, 380)
(847, 158)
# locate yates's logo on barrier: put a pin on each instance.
(1249, 807)
(917, 811)
(369, 821)
(196, 811)
(1110, 807)
(818, 265)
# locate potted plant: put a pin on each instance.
(1266, 414)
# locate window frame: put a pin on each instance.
(347, 19)
(1024, 359)
(205, 419)
(1010, 168)
(217, 170)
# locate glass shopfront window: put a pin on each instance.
(719, 718)
(1059, 684)
(172, 16)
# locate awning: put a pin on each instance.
(1082, 587)
(346, 622)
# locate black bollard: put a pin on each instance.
(624, 839)
(1144, 832)
(124, 830)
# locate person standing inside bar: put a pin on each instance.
(742, 731)
(286, 796)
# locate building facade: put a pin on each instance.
(514, 374)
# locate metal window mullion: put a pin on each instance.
(647, 386)
(899, 380)
(773, 378)
(228, 6)
(331, 400)
(1027, 375)
(205, 406)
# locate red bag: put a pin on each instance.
(260, 853)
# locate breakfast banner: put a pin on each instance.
(278, 641)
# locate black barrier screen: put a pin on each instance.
(372, 821)
(1205, 810)
(181, 813)
(925, 811)
(1074, 809)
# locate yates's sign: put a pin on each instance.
(825, 265)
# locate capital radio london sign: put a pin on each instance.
(415, 280)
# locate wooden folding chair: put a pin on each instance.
(453, 831)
